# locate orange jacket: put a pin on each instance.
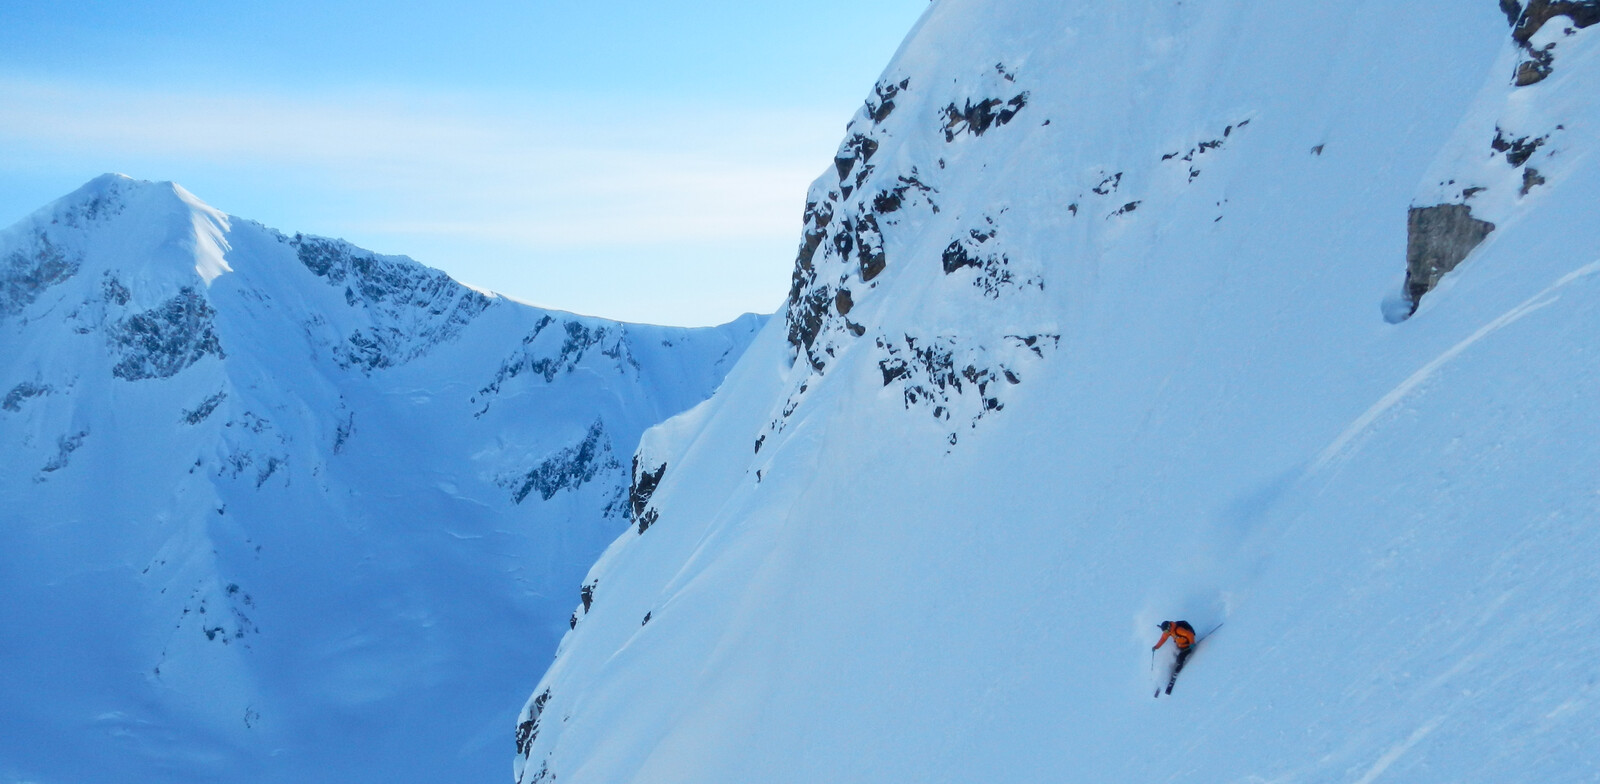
(1181, 637)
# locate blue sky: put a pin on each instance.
(638, 160)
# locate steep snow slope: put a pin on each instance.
(1100, 319)
(278, 509)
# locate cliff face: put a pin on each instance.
(1278, 314)
(272, 501)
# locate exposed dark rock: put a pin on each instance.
(870, 257)
(1530, 179)
(978, 118)
(528, 729)
(268, 467)
(1518, 150)
(24, 391)
(26, 273)
(65, 446)
(1438, 238)
(817, 218)
(806, 304)
(957, 256)
(993, 266)
(113, 292)
(842, 302)
(858, 147)
(934, 376)
(648, 519)
(1512, 9)
(539, 360)
(162, 341)
(882, 103)
(888, 201)
(1127, 208)
(1537, 12)
(1527, 21)
(100, 207)
(413, 308)
(569, 468)
(644, 484)
(199, 413)
(1211, 144)
(805, 321)
(586, 594)
(1540, 63)
(1108, 185)
(343, 431)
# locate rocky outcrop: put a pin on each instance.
(955, 379)
(977, 118)
(162, 341)
(843, 239)
(412, 308)
(26, 273)
(65, 446)
(1537, 61)
(22, 392)
(201, 412)
(547, 359)
(528, 728)
(1438, 238)
(567, 469)
(645, 481)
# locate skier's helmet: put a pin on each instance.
(1166, 625)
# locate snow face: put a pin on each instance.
(1100, 318)
(274, 508)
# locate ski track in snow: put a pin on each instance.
(1392, 755)
(1534, 303)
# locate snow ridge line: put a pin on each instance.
(1388, 401)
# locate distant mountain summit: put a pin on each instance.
(1111, 314)
(273, 504)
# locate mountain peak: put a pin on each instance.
(157, 232)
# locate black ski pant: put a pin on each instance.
(1177, 666)
(1183, 656)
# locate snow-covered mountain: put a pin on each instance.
(276, 508)
(1283, 314)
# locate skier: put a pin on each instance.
(1182, 635)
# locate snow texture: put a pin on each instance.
(1100, 318)
(272, 508)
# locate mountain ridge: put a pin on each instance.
(283, 486)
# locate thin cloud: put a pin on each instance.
(541, 170)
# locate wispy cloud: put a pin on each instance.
(538, 196)
(540, 170)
